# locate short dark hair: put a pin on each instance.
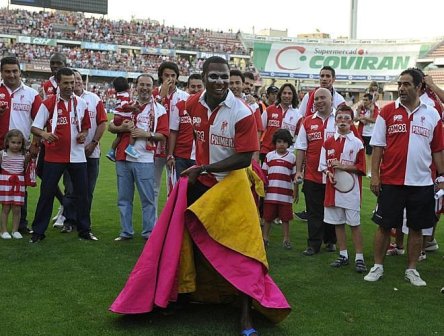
(368, 95)
(60, 56)
(417, 75)
(282, 134)
(194, 76)
(345, 108)
(144, 75)
(249, 75)
(294, 101)
(9, 60)
(167, 65)
(210, 60)
(120, 84)
(63, 72)
(238, 73)
(329, 68)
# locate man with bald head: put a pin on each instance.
(314, 130)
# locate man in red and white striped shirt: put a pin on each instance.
(407, 137)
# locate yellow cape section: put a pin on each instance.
(230, 217)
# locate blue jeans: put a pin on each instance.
(182, 164)
(141, 175)
(48, 189)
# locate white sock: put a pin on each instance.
(380, 265)
(359, 256)
(344, 253)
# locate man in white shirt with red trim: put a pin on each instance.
(98, 118)
(151, 126)
(407, 137)
(18, 107)
(327, 77)
(314, 130)
(65, 118)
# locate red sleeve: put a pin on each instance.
(437, 143)
(298, 125)
(35, 105)
(101, 116)
(163, 126)
(258, 119)
(245, 139)
(360, 161)
(86, 121)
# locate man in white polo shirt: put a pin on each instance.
(18, 107)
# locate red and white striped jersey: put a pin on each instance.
(348, 150)
(22, 105)
(68, 121)
(228, 129)
(408, 141)
(280, 171)
(97, 115)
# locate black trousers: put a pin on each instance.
(318, 231)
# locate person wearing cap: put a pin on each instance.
(272, 93)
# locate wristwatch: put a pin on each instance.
(203, 169)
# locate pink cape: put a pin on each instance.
(154, 279)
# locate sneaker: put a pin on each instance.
(309, 252)
(431, 246)
(25, 230)
(16, 235)
(360, 266)
(88, 236)
(59, 222)
(122, 238)
(286, 245)
(301, 215)
(5, 235)
(277, 221)
(376, 273)
(132, 152)
(59, 213)
(394, 251)
(413, 276)
(111, 155)
(66, 229)
(341, 261)
(422, 256)
(35, 238)
(369, 175)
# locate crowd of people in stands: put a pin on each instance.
(141, 33)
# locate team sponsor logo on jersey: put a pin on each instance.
(397, 128)
(185, 119)
(224, 127)
(347, 162)
(314, 136)
(422, 120)
(350, 153)
(330, 152)
(92, 114)
(62, 121)
(397, 117)
(422, 131)
(74, 121)
(59, 111)
(2, 96)
(21, 107)
(290, 127)
(219, 140)
(314, 127)
(50, 89)
(197, 121)
(200, 136)
(329, 135)
(274, 123)
(274, 115)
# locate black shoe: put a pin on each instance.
(301, 215)
(330, 247)
(341, 261)
(360, 266)
(309, 252)
(35, 238)
(25, 230)
(87, 236)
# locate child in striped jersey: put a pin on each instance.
(280, 169)
(12, 181)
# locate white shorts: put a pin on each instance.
(336, 216)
